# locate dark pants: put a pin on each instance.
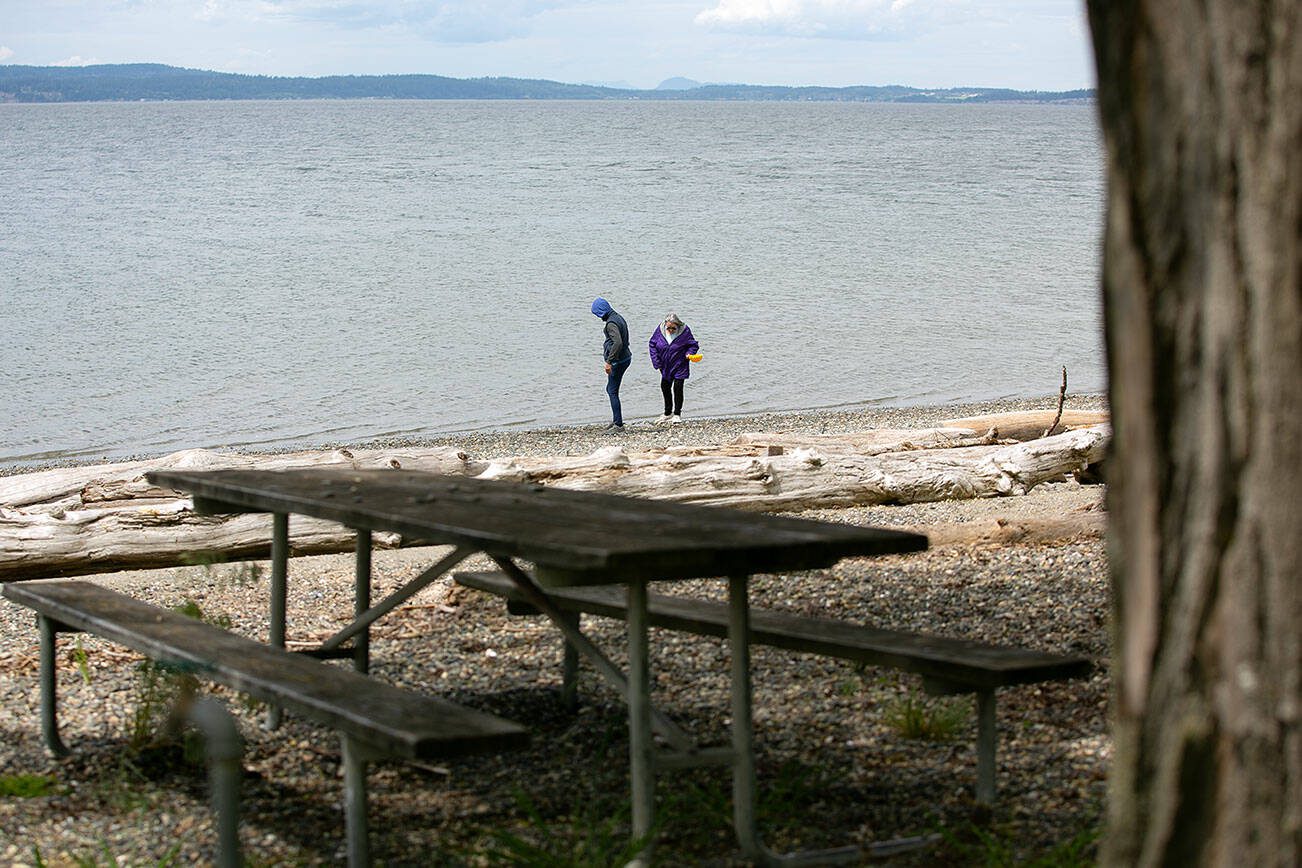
(673, 406)
(613, 379)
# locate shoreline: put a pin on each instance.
(640, 434)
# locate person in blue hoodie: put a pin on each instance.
(616, 355)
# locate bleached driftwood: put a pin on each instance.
(95, 541)
(807, 478)
(1077, 525)
(83, 520)
(72, 521)
(107, 484)
(1029, 424)
(873, 442)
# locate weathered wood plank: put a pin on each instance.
(976, 665)
(401, 722)
(579, 537)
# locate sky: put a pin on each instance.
(1026, 45)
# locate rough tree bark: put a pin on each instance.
(1201, 105)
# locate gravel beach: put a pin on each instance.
(837, 764)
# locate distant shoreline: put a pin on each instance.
(154, 82)
(640, 434)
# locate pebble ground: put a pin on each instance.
(836, 764)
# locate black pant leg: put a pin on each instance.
(665, 390)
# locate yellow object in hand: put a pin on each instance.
(696, 357)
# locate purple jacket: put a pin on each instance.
(671, 359)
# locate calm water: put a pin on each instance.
(218, 274)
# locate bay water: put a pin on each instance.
(271, 274)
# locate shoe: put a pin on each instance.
(675, 419)
(614, 428)
(662, 419)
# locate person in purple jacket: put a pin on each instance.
(671, 344)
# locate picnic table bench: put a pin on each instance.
(947, 666)
(374, 720)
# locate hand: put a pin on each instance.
(607, 367)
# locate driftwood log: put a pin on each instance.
(1029, 424)
(73, 521)
(1078, 524)
(805, 477)
(96, 519)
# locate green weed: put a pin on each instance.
(693, 814)
(160, 689)
(246, 573)
(104, 858)
(202, 559)
(123, 787)
(929, 719)
(998, 848)
(592, 836)
(26, 786)
(83, 662)
(240, 574)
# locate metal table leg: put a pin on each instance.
(743, 746)
(537, 598)
(570, 666)
(987, 739)
(356, 755)
(225, 749)
(363, 620)
(743, 779)
(362, 602)
(50, 687)
(279, 594)
(640, 745)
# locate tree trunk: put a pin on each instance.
(1201, 106)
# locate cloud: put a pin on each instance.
(836, 19)
(461, 21)
(5, 53)
(75, 60)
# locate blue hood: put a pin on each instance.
(600, 307)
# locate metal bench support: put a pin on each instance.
(367, 616)
(279, 596)
(356, 754)
(641, 748)
(660, 723)
(49, 687)
(570, 666)
(362, 602)
(987, 742)
(225, 749)
(744, 798)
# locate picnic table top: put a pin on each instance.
(573, 537)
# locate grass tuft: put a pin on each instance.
(26, 786)
(916, 716)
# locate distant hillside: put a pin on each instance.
(677, 83)
(152, 81)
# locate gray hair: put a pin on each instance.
(673, 318)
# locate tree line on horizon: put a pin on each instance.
(158, 82)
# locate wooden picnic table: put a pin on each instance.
(545, 537)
